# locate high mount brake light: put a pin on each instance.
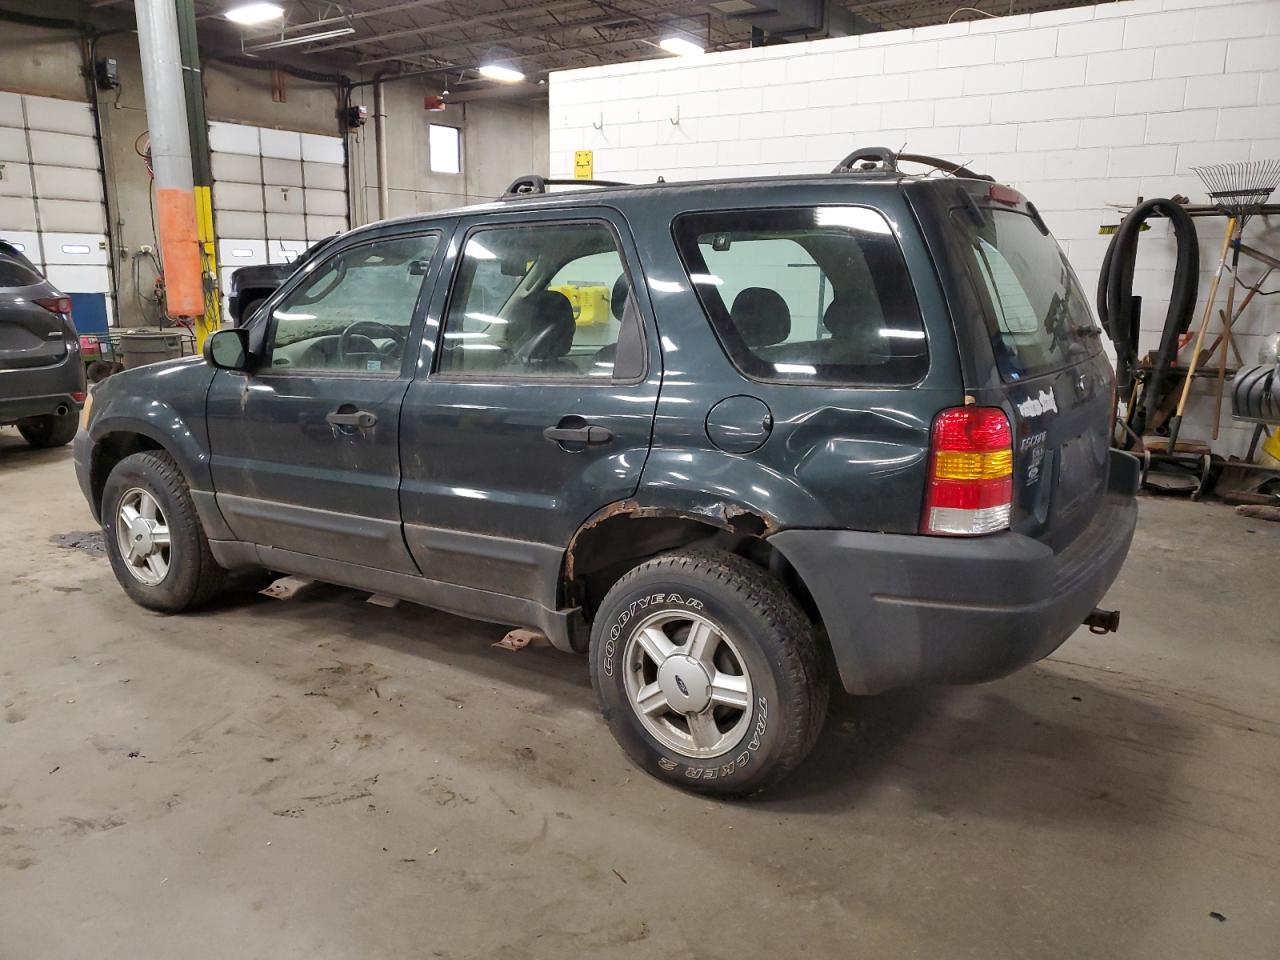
(1003, 194)
(970, 490)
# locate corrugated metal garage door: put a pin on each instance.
(275, 192)
(51, 198)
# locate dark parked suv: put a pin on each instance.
(42, 382)
(727, 437)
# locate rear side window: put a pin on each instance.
(548, 300)
(1037, 315)
(15, 273)
(807, 294)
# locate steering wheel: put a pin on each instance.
(349, 335)
(335, 276)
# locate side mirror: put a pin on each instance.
(228, 349)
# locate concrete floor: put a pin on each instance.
(324, 778)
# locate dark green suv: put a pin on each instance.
(730, 438)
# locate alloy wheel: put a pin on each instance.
(142, 535)
(688, 683)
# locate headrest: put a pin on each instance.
(761, 316)
(854, 320)
(544, 320)
(618, 299)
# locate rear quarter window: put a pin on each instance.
(807, 294)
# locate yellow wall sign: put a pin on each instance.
(583, 161)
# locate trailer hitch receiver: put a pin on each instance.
(1102, 621)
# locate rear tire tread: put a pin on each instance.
(799, 654)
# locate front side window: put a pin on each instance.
(352, 314)
(811, 294)
(542, 300)
(1038, 316)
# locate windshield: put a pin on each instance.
(1037, 315)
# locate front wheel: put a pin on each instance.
(708, 673)
(157, 547)
(50, 429)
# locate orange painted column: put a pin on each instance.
(180, 251)
(162, 81)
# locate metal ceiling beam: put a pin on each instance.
(514, 13)
(541, 37)
(526, 55)
(616, 14)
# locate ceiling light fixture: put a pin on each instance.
(304, 38)
(248, 14)
(498, 71)
(681, 47)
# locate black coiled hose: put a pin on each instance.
(1118, 309)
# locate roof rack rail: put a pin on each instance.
(865, 157)
(534, 183)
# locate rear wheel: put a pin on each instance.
(708, 673)
(157, 547)
(49, 430)
(249, 310)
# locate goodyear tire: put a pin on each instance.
(157, 547)
(708, 673)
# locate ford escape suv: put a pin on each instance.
(42, 381)
(728, 438)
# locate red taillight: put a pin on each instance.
(1002, 194)
(54, 304)
(970, 489)
(78, 396)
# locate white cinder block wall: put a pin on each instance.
(1082, 109)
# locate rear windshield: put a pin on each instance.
(1037, 315)
(807, 294)
(16, 273)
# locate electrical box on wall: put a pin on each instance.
(357, 115)
(106, 73)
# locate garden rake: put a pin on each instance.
(1239, 190)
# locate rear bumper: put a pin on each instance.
(36, 391)
(905, 611)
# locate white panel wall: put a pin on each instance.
(1084, 109)
(51, 191)
(274, 192)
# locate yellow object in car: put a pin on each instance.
(590, 302)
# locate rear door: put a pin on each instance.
(539, 407)
(33, 329)
(1048, 367)
(305, 450)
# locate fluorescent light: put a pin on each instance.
(302, 38)
(680, 46)
(496, 71)
(251, 13)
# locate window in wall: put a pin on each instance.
(807, 294)
(353, 313)
(542, 300)
(445, 148)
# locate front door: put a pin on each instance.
(540, 404)
(306, 448)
